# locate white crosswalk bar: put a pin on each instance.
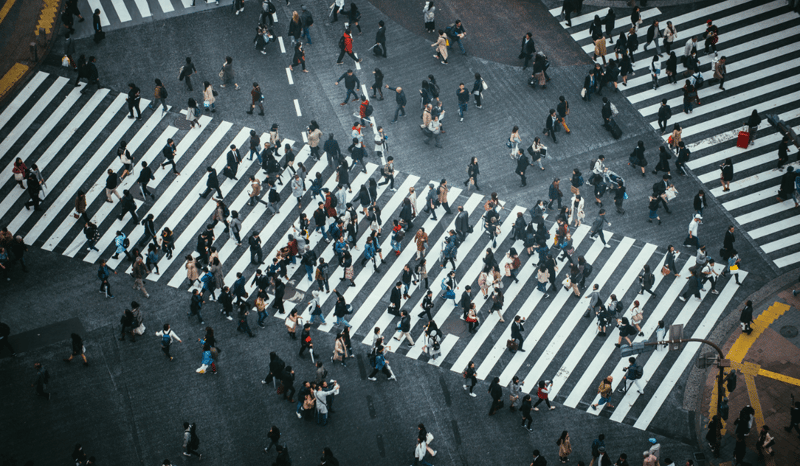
(645, 15)
(524, 312)
(585, 18)
(590, 334)
(687, 355)
(752, 198)
(29, 118)
(537, 371)
(786, 261)
(95, 5)
(144, 8)
(784, 224)
(780, 244)
(753, 180)
(765, 212)
(21, 98)
(445, 347)
(166, 6)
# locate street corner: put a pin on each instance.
(766, 378)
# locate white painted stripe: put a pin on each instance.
(104, 150)
(445, 347)
(95, 5)
(328, 253)
(386, 319)
(390, 276)
(275, 17)
(280, 42)
(122, 11)
(590, 334)
(711, 89)
(687, 355)
(22, 97)
(587, 18)
(297, 107)
(589, 378)
(289, 76)
(650, 323)
(305, 137)
(63, 169)
(98, 188)
(622, 24)
(166, 6)
(737, 117)
(784, 224)
(657, 357)
(573, 319)
(765, 212)
(782, 243)
(163, 201)
(786, 261)
(188, 3)
(436, 274)
(358, 66)
(738, 185)
(189, 234)
(144, 8)
(55, 146)
(524, 312)
(751, 198)
(26, 121)
(755, 28)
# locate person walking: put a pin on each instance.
(463, 100)
(597, 228)
(190, 440)
(41, 380)
(516, 332)
(134, 97)
(227, 74)
(346, 47)
(720, 72)
(564, 447)
(167, 337)
(381, 365)
(653, 35)
(543, 393)
(550, 125)
(400, 100)
(496, 392)
(605, 392)
(77, 349)
(441, 47)
(726, 174)
(527, 50)
(186, 72)
(470, 375)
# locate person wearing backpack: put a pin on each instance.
(633, 375)
(167, 337)
(387, 173)
(190, 440)
(307, 21)
(365, 111)
(346, 47)
(455, 32)
(159, 97)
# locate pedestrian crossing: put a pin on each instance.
(759, 41)
(116, 14)
(72, 138)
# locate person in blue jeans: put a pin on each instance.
(463, 100)
(322, 402)
(351, 83)
(307, 21)
(261, 307)
(316, 310)
(341, 310)
(455, 33)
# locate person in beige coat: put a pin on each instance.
(313, 140)
(600, 49)
(255, 190)
(564, 447)
(208, 97)
(676, 137)
(426, 116)
(192, 273)
(441, 47)
(340, 350)
(720, 72)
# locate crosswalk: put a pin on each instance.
(72, 139)
(759, 40)
(123, 13)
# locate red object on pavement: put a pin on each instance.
(744, 139)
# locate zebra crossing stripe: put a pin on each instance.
(524, 312)
(765, 212)
(589, 376)
(784, 224)
(41, 133)
(95, 5)
(98, 187)
(67, 195)
(584, 34)
(68, 161)
(741, 165)
(390, 277)
(386, 319)
(29, 117)
(590, 334)
(780, 244)
(753, 180)
(163, 200)
(586, 18)
(24, 94)
(791, 259)
(122, 11)
(144, 8)
(537, 371)
(686, 357)
(166, 6)
(650, 324)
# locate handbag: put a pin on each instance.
(221, 73)
(567, 283)
(664, 270)
(508, 144)
(206, 104)
(636, 318)
(429, 438)
(583, 92)
(485, 87)
(214, 91)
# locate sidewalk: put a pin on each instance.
(20, 22)
(767, 374)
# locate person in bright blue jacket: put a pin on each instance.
(208, 360)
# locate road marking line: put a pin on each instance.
(289, 75)
(297, 107)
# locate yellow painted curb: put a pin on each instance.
(6, 9)
(11, 77)
(47, 16)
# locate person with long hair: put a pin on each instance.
(159, 97)
(193, 113)
(543, 393)
(564, 447)
(77, 349)
(208, 97)
(299, 58)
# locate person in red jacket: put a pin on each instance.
(346, 46)
(362, 111)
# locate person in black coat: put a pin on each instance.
(92, 75)
(128, 205)
(212, 183)
(522, 165)
(462, 223)
(466, 301)
(663, 161)
(633, 44)
(527, 50)
(637, 157)
(659, 189)
(516, 331)
(606, 112)
(394, 300)
(232, 163)
(473, 170)
(276, 366)
(664, 114)
(380, 39)
(550, 124)
(496, 392)
(99, 35)
(608, 21)
(589, 85)
(727, 243)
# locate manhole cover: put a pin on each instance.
(789, 331)
(182, 123)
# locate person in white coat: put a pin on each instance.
(419, 453)
(297, 190)
(322, 402)
(576, 211)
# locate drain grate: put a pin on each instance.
(789, 331)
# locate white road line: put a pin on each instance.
(95, 5)
(445, 347)
(63, 168)
(66, 196)
(765, 212)
(275, 17)
(587, 18)
(686, 357)
(291, 81)
(524, 312)
(590, 334)
(649, 328)
(280, 42)
(784, 224)
(305, 137)
(738, 185)
(22, 97)
(144, 8)
(786, 261)
(26, 121)
(625, 20)
(297, 107)
(166, 197)
(435, 274)
(122, 11)
(166, 6)
(567, 325)
(780, 244)
(752, 198)
(56, 146)
(588, 379)
(98, 188)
